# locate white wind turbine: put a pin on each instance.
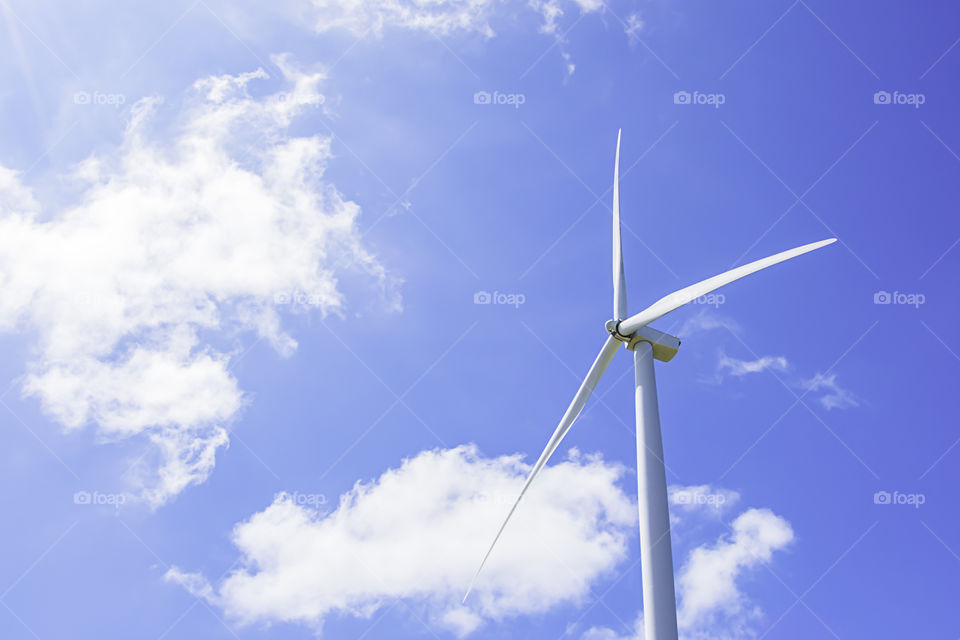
(647, 344)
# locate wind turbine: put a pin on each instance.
(647, 344)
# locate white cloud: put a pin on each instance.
(740, 368)
(834, 397)
(711, 600)
(418, 532)
(181, 231)
(711, 604)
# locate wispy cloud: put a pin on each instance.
(634, 26)
(705, 321)
(740, 368)
(446, 19)
(730, 366)
(440, 17)
(834, 396)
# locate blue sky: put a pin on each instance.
(361, 177)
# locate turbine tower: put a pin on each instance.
(647, 344)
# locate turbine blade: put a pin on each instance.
(579, 400)
(679, 298)
(619, 281)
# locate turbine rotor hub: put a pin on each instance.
(613, 328)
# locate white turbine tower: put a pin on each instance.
(647, 344)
